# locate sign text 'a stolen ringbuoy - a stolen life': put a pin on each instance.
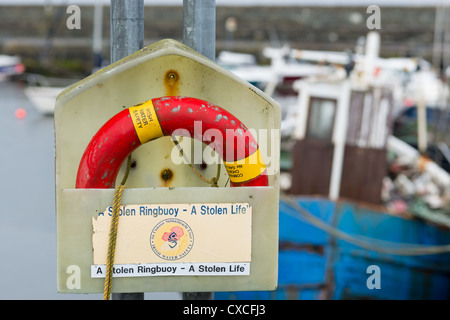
(176, 240)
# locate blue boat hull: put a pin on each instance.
(315, 263)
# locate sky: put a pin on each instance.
(408, 3)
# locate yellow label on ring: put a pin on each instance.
(245, 169)
(145, 121)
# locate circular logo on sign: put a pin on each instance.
(171, 239)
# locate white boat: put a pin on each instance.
(10, 66)
(280, 74)
(229, 59)
(43, 98)
(411, 79)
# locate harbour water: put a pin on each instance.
(27, 202)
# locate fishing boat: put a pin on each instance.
(330, 249)
(363, 215)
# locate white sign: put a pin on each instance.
(176, 239)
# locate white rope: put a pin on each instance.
(389, 247)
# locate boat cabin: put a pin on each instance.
(340, 136)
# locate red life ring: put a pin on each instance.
(158, 117)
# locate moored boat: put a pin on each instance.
(344, 232)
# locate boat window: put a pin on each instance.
(321, 118)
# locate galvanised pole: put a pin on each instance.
(127, 37)
(199, 33)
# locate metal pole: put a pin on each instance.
(199, 26)
(127, 27)
(199, 33)
(127, 37)
(97, 39)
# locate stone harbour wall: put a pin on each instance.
(40, 32)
